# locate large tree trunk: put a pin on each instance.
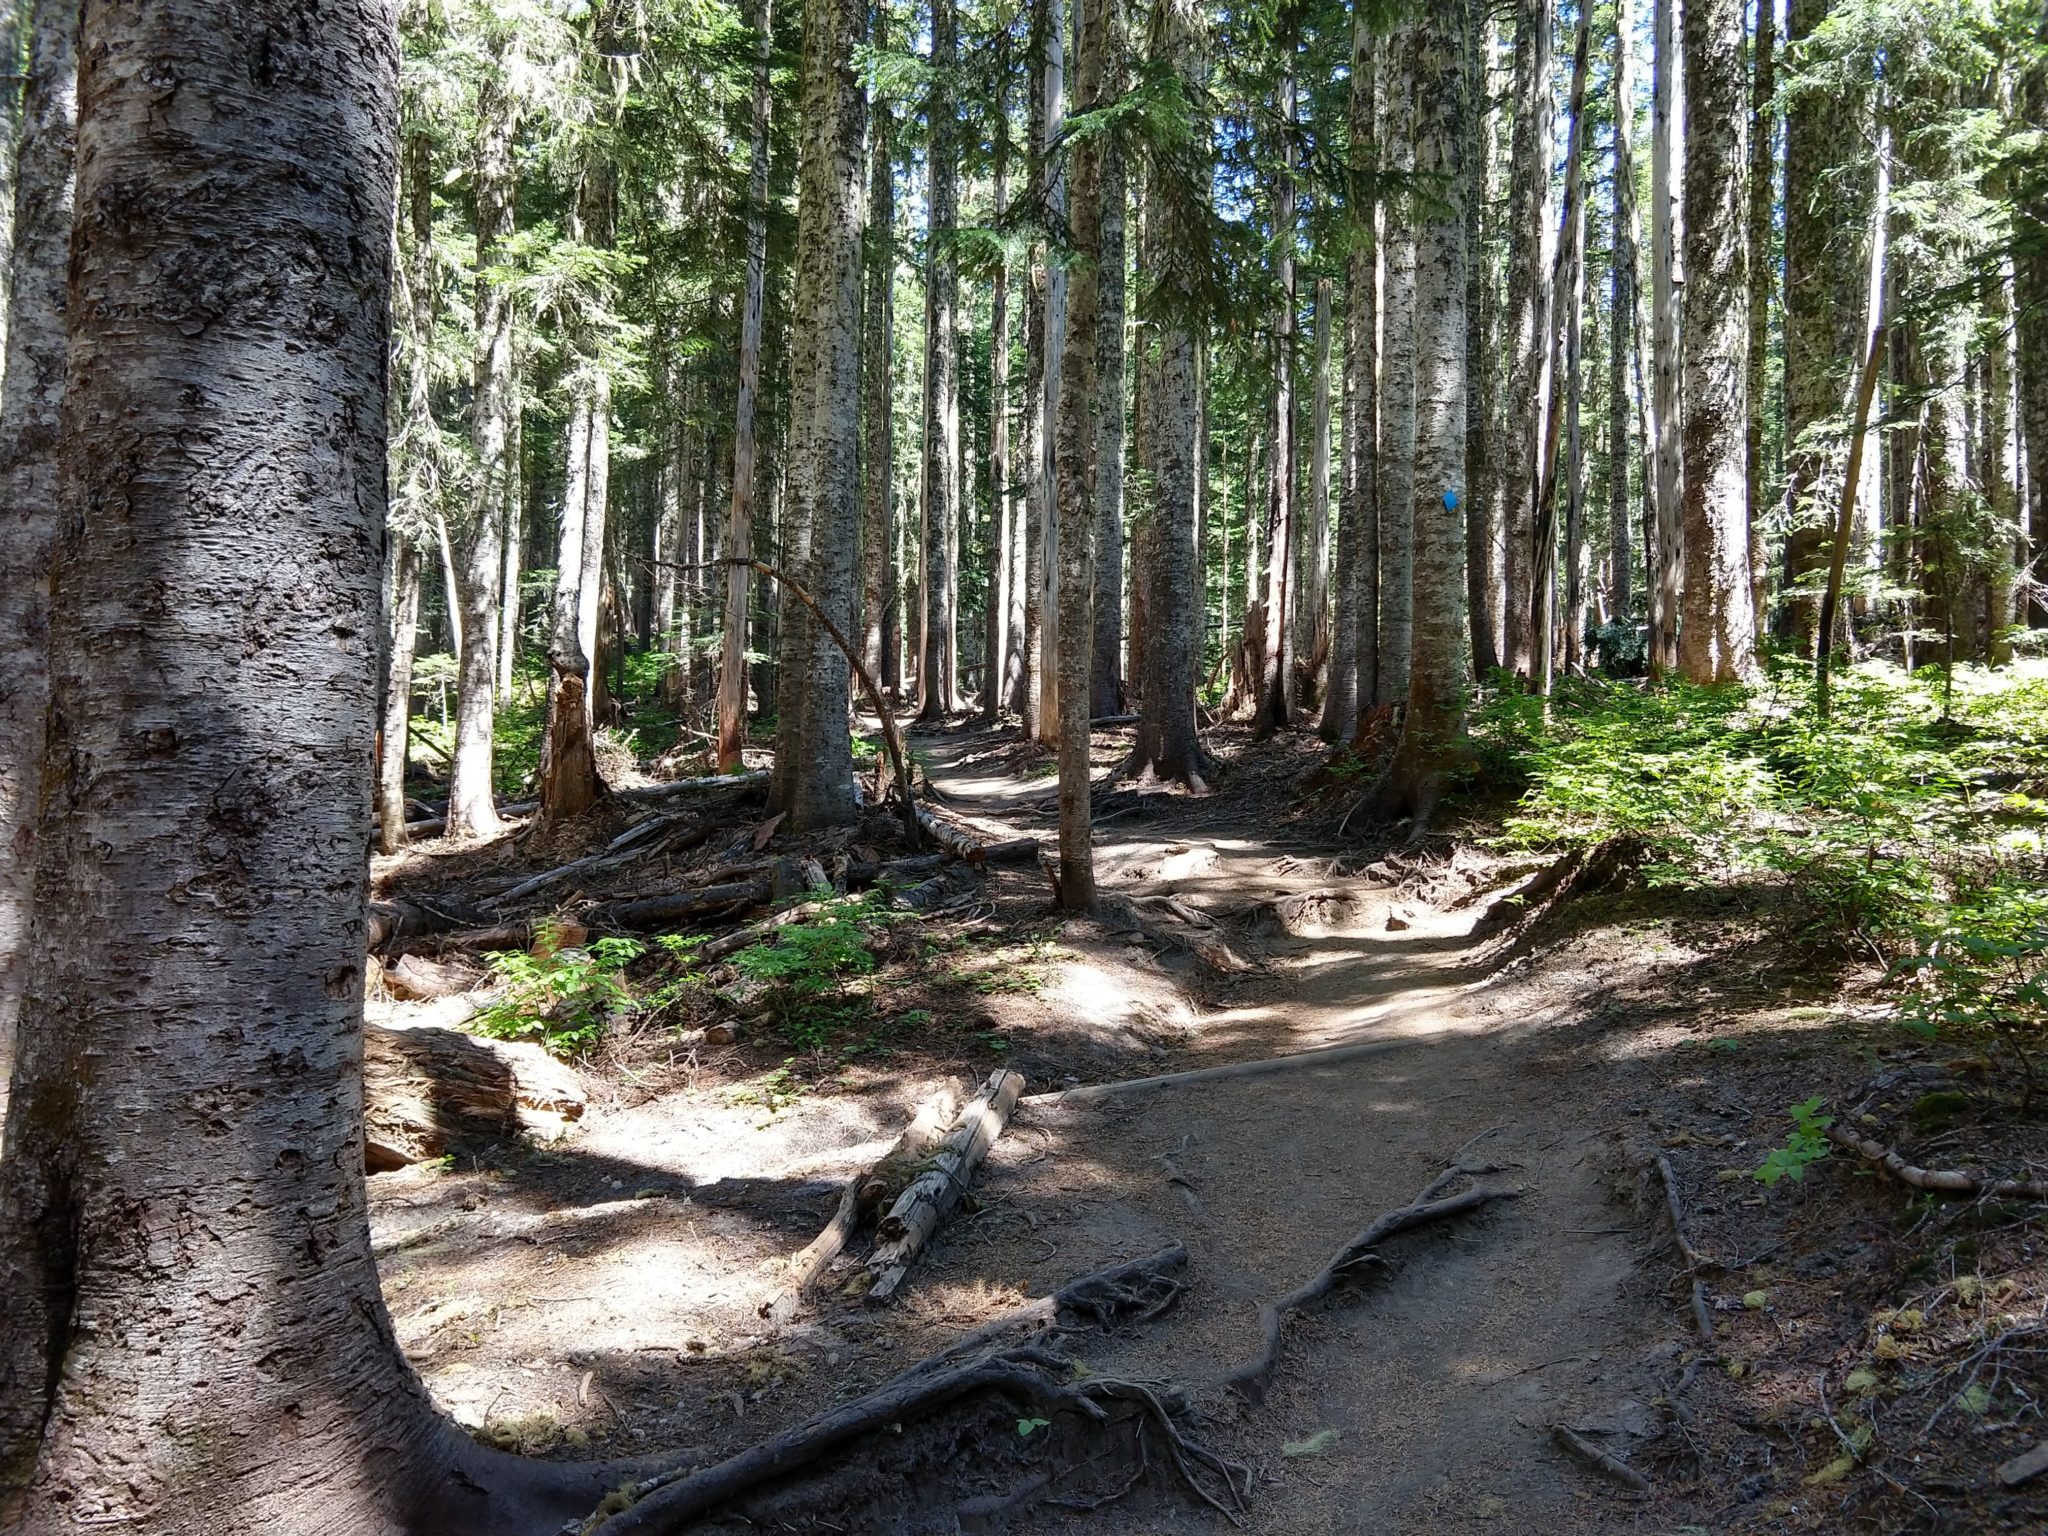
(813, 748)
(1435, 721)
(1717, 636)
(1484, 574)
(936, 690)
(1106, 681)
(2030, 292)
(739, 517)
(1275, 705)
(878, 376)
(1398, 382)
(471, 808)
(31, 396)
(1621, 339)
(1761, 200)
(194, 1340)
(1312, 611)
(1052, 123)
(1002, 574)
(1528, 329)
(1076, 470)
(1354, 677)
(1666, 552)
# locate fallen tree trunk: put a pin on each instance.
(426, 1089)
(636, 842)
(1251, 1378)
(964, 845)
(1940, 1181)
(392, 920)
(863, 1195)
(415, 978)
(934, 1195)
(662, 911)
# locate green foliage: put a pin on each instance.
(1806, 1142)
(563, 995)
(808, 966)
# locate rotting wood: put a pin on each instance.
(660, 911)
(416, 918)
(965, 846)
(1702, 1317)
(637, 842)
(1940, 1181)
(1129, 1294)
(862, 1196)
(426, 1088)
(1578, 1446)
(416, 978)
(934, 1194)
(1251, 1377)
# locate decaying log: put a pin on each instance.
(934, 1194)
(1575, 1444)
(662, 911)
(425, 1089)
(964, 845)
(415, 978)
(864, 1194)
(416, 918)
(636, 842)
(1128, 1294)
(1940, 1181)
(740, 784)
(1251, 1378)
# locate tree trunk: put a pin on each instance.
(937, 694)
(878, 479)
(1621, 342)
(1434, 726)
(813, 781)
(1483, 575)
(1398, 383)
(1052, 124)
(1002, 575)
(471, 808)
(1313, 643)
(2030, 292)
(1354, 685)
(1076, 470)
(1761, 195)
(1276, 691)
(515, 527)
(1717, 636)
(2001, 498)
(1528, 327)
(31, 398)
(1666, 553)
(195, 1340)
(1106, 682)
(739, 517)
(394, 732)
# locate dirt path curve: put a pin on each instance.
(1443, 1379)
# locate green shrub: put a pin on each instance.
(564, 995)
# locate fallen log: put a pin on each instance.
(964, 845)
(1133, 1292)
(390, 920)
(415, 978)
(862, 1196)
(934, 1195)
(636, 842)
(425, 1089)
(1251, 1378)
(662, 911)
(1575, 1444)
(710, 783)
(1940, 1181)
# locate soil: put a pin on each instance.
(602, 1295)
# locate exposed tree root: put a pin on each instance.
(1674, 1209)
(1578, 1446)
(1580, 870)
(1940, 1181)
(1251, 1378)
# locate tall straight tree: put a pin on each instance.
(813, 781)
(2030, 291)
(1763, 138)
(1717, 639)
(1106, 675)
(1666, 550)
(739, 516)
(1076, 467)
(1275, 706)
(1484, 575)
(1002, 574)
(1312, 608)
(1528, 327)
(1435, 719)
(31, 398)
(1625, 304)
(878, 378)
(1398, 378)
(1046, 567)
(937, 644)
(194, 1339)
(472, 808)
(1354, 653)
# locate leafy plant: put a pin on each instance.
(807, 965)
(1805, 1143)
(563, 994)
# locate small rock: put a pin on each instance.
(2025, 1467)
(1396, 923)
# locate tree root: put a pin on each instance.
(1578, 1446)
(1674, 1208)
(1940, 1181)
(1251, 1378)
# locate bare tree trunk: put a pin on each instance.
(1667, 552)
(31, 399)
(1717, 637)
(1528, 328)
(15, 40)
(937, 694)
(1354, 684)
(1762, 187)
(1398, 383)
(1435, 719)
(813, 780)
(2030, 293)
(1482, 507)
(394, 733)
(1048, 569)
(739, 517)
(1002, 575)
(1106, 682)
(472, 811)
(515, 528)
(1624, 298)
(2000, 477)
(878, 487)
(1314, 643)
(1276, 690)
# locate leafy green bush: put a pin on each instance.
(1807, 1142)
(565, 995)
(807, 965)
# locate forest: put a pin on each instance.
(932, 766)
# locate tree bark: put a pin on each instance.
(1052, 123)
(1354, 676)
(813, 780)
(937, 693)
(2030, 292)
(194, 1339)
(1312, 644)
(878, 373)
(1528, 328)
(1717, 635)
(1484, 575)
(739, 517)
(1623, 294)
(1434, 725)
(1398, 383)
(1761, 200)
(1002, 574)
(394, 733)
(1106, 679)
(1666, 553)
(1276, 690)
(31, 400)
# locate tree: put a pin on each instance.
(878, 490)
(1485, 573)
(1434, 724)
(31, 397)
(1003, 572)
(1717, 638)
(194, 1339)
(939, 585)
(1762, 197)
(2030, 288)
(1665, 551)
(1106, 679)
(1528, 327)
(1624, 337)
(813, 781)
(1398, 381)
(1354, 654)
(1275, 704)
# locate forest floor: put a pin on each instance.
(1874, 1357)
